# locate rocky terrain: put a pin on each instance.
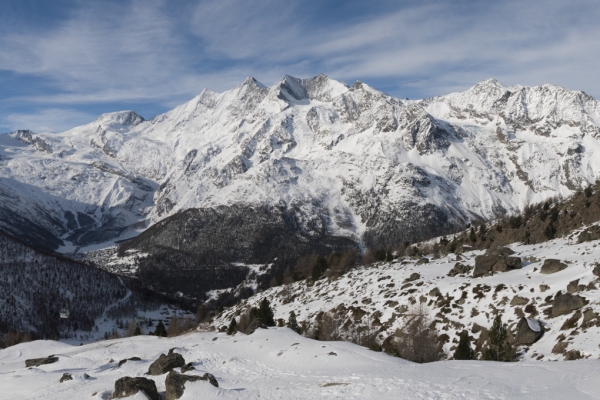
(553, 286)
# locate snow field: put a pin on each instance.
(279, 364)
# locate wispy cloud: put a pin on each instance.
(155, 54)
(47, 120)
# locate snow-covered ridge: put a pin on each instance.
(347, 159)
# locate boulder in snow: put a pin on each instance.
(518, 301)
(573, 286)
(528, 331)
(128, 386)
(187, 367)
(165, 363)
(66, 377)
(459, 269)
(552, 266)
(175, 383)
(487, 264)
(499, 252)
(591, 233)
(596, 270)
(36, 362)
(565, 303)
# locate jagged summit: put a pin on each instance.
(125, 118)
(252, 81)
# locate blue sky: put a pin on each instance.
(64, 62)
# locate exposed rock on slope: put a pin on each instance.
(371, 303)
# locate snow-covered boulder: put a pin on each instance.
(528, 331)
(175, 383)
(165, 363)
(128, 386)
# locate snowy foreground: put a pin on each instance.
(279, 364)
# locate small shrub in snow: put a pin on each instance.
(463, 350)
(292, 323)
(499, 347)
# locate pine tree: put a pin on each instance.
(319, 268)
(232, 327)
(472, 235)
(160, 330)
(498, 348)
(138, 331)
(265, 312)
(463, 350)
(293, 323)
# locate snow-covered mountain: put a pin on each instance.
(337, 160)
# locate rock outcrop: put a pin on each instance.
(529, 331)
(128, 386)
(591, 233)
(459, 269)
(496, 260)
(565, 303)
(36, 362)
(187, 367)
(175, 383)
(518, 301)
(552, 266)
(165, 363)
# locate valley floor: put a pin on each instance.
(279, 364)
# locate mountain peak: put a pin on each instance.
(124, 118)
(251, 81)
(489, 83)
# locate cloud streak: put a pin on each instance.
(152, 55)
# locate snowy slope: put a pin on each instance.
(380, 295)
(278, 364)
(350, 161)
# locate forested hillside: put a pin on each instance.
(34, 287)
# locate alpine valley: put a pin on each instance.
(335, 212)
(257, 174)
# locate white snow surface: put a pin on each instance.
(279, 364)
(314, 145)
(533, 324)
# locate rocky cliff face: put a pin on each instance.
(339, 161)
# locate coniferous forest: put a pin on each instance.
(35, 286)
